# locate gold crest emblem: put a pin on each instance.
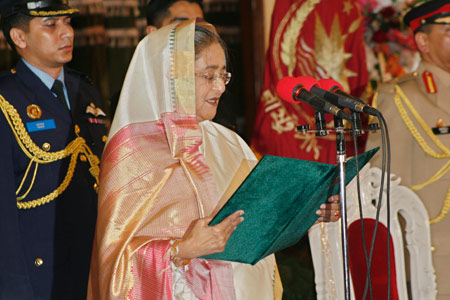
(34, 111)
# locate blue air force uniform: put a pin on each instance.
(46, 249)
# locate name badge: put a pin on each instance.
(41, 125)
(441, 130)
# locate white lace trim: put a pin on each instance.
(181, 290)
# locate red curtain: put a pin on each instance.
(322, 39)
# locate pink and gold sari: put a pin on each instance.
(161, 169)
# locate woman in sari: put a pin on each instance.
(166, 170)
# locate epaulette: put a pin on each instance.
(87, 79)
(404, 78)
(6, 73)
(82, 76)
(389, 86)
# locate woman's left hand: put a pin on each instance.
(329, 212)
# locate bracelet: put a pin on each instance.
(178, 262)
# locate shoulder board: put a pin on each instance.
(388, 87)
(82, 76)
(404, 78)
(6, 73)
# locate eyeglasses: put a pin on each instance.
(213, 78)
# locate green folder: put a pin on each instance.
(280, 198)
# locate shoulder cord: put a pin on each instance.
(39, 156)
(399, 97)
(374, 104)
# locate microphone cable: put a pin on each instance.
(361, 217)
(386, 169)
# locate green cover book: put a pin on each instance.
(280, 198)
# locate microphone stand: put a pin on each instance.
(321, 124)
(341, 155)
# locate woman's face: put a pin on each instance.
(209, 85)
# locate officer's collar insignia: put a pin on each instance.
(91, 109)
(441, 128)
(429, 82)
(34, 111)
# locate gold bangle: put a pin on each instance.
(178, 262)
(174, 248)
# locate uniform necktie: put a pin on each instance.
(57, 88)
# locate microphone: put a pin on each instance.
(292, 90)
(331, 89)
(335, 99)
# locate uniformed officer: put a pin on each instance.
(52, 133)
(417, 110)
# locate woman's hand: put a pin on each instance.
(329, 212)
(201, 239)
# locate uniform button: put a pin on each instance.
(46, 146)
(83, 157)
(95, 186)
(433, 248)
(38, 262)
(104, 138)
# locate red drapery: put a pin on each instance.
(322, 39)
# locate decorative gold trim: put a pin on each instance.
(290, 36)
(330, 284)
(443, 20)
(278, 35)
(374, 105)
(399, 96)
(40, 156)
(54, 12)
